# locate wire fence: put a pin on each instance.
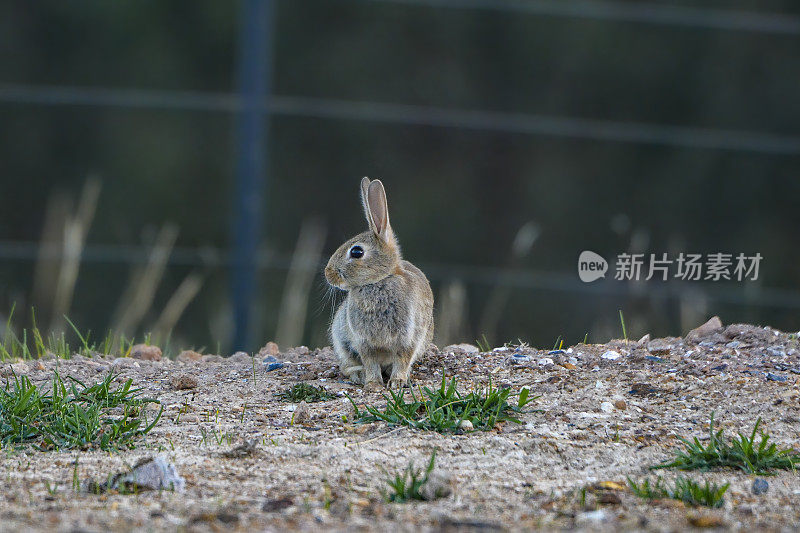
(772, 25)
(412, 115)
(214, 257)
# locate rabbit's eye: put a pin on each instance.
(356, 252)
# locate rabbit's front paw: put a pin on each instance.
(373, 386)
(397, 383)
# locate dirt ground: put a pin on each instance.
(605, 412)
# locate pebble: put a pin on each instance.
(270, 506)
(611, 355)
(714, 325)
(621, 405)
(760, 486)
(241, 357)
(775, 377)
(463, 347)
(150, 474)
(274, 366)
(189, 356)
(301, 415)
(660, 347)
(466, 425)
(146, 353)
(706, 520)
(271, 348)
(776, 351)
(545, 361)
(184, 382)
(439, 485)
(591, 517)
(606, 407)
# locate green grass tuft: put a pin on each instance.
(407, 485)
(73, 415)
(443, 409)
(744, 452)
(305, 392)
(31, 344)
(483, 344)
(686, 490)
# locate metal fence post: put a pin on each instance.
(252, 124)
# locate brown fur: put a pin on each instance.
(386, 320)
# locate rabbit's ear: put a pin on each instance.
(378, 210)
(365, 203)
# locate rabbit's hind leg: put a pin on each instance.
(401, 367)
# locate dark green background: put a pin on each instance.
(457, 196)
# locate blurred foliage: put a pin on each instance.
(457, 197)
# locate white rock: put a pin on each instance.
(607, 407)
(591, 517)
(545, 361)
(466, 425)
(611, 355)
(464, 347)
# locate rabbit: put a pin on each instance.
(386, 320)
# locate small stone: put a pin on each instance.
(212, 358)
(301, 415)
(271, 348)
(298, 350)
(184, 382)
(609, 498)
(150, 474)
(246, 448)
(621, 405)
(591, 517)
(644, 340)
(439, 485)
(706, 520)
(274, 366)
(466, 425)
(714, 325)
(760, 486)
(463, 347)
(189, 356)
(270, 506)
(775, 377)
(146, 352)
(606, 407)
(611, 355)
(776, 351)
(546, 361)
(569, 366)
(659, 347)
(241, 357)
